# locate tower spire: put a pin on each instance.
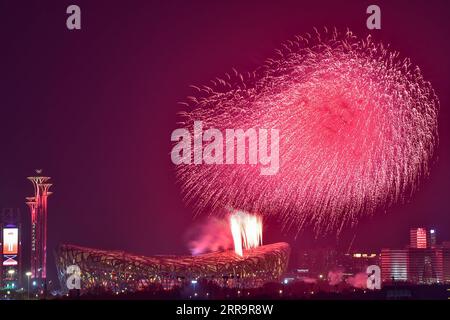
(38, 211)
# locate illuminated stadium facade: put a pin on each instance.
(116, 270)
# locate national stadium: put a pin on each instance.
(118, 271)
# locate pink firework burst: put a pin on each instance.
(357, 126)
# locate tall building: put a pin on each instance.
(425, 266)
(432, 238)
(394, 265)
(10, 249)
(446, 261)
(418, 238)
(38, 210)
(422, 262)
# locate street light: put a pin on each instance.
(11, 274)
(28, 274)
(11, 278)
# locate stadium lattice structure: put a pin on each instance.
(118, 271)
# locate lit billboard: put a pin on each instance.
(10, 241)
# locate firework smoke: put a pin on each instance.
(335, 277)
(238, 229)
(358, 127)
(210, 236)
(359, 280)
(308, 280)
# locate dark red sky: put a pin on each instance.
(95, 108)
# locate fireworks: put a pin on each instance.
(246, 230)
(237, 229)
(357, 129)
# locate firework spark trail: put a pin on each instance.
(358, 127)
(246, 230)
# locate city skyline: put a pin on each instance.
(401, 264)
(95, 109)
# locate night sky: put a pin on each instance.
(95, 109)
